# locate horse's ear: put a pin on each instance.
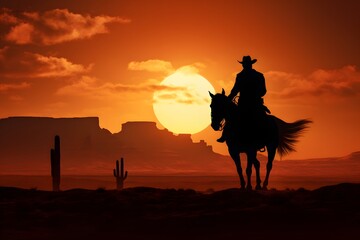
(211, 95)
(223, 92)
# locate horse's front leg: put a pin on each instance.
(252, 160)
(235, 155)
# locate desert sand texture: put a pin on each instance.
(330, 212)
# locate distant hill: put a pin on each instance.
(25, 144)
(341, 167)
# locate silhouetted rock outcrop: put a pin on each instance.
(88, 149)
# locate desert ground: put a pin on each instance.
(330, 212)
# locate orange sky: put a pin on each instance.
(106, 58)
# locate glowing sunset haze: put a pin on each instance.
(110, 59)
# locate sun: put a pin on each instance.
(182, 102)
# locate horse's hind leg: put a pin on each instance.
(248, 173)
(257, 169)
(236, 157)
(271, 155)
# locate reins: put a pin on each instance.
(222, 125)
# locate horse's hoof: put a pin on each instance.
(242, 185)
(258, 187)
(249, 187)
(265, 188)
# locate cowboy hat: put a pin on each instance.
(247, 59)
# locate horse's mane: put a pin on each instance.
(227, 101)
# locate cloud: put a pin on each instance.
(162, 66)
(6, 17)
(90, 86)
(21, 33)
(169, 93)
(4, 87)
(182, 96)
(188, 69)
(32, 15)
(49, 66)
(343, 82)
(84, 86)
(54, 26)
(32, 65)
(188, 93)
(152, 65)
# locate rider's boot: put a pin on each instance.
(221, 139)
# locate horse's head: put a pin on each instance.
(218, 109)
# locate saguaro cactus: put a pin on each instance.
(55, 164)
(119, 175)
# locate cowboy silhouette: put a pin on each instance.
(251, 86)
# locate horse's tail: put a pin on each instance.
(288, 134)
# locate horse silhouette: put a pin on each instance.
(280, 136)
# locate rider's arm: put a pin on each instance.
(235, 89)
(262, 86)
